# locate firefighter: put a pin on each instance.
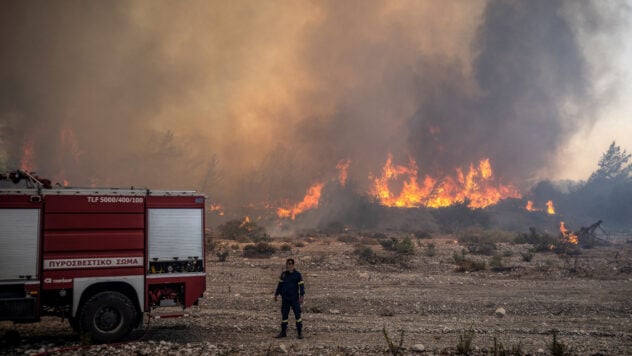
(292, 290)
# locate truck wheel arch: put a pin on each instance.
(132, 289)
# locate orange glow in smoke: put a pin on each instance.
(217, 208)
(310, 201)
(343, 168)
(568, 236)
(28, 156)
(243, 223)
(550, 208)
(476, 185)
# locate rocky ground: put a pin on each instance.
(349, 304)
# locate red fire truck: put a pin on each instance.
(99, 257)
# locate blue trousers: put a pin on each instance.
(286, 304)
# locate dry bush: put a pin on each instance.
(222, 255)
(527, 256)
(464, 264)
(259, 250)
(243, 231)
(482, 242)
(403, 246)
(430, 250)
(540, 242)
(348, 239)
(367, 255)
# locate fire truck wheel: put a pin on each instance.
(107, 317)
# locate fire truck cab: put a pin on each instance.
(99, 257)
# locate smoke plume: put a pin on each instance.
(254, 101)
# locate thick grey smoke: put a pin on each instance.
(535, 91)
(255, 101)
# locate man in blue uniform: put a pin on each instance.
(292, 290)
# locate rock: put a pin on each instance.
(500, 312)
(334, 311)
(283, 348)
(418, 348)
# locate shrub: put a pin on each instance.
(211, 245)
(286, 248)
(259, 250)
(464, 345)
(526, 256)
(496, 261)
(540, 242)
(347, 239)
(299, 244)
(430, 250)
(365, 254)
(478, 241)
(498, 349)
(243, 231)
(392, 347)
(558, 348)
(405, 246)
(388, 244)
(467, 265)
(222, 255)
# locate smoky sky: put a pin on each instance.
(255, 101)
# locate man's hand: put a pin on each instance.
(275, 298)
(300, 300)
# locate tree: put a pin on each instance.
(613, 165)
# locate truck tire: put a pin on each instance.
(107, 317)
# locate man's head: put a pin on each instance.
(289, 264)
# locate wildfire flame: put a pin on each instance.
(477, 186)
(529, 206)
(567, 235)
(343, 167)
(550, 208)
(243, 223)
(310, 201)
(218, 208)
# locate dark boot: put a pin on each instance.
(283, 333)
(300, 333)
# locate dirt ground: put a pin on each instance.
(586, 299)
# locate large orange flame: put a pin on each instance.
(310, 201)
(476, 186)
(567, 235)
